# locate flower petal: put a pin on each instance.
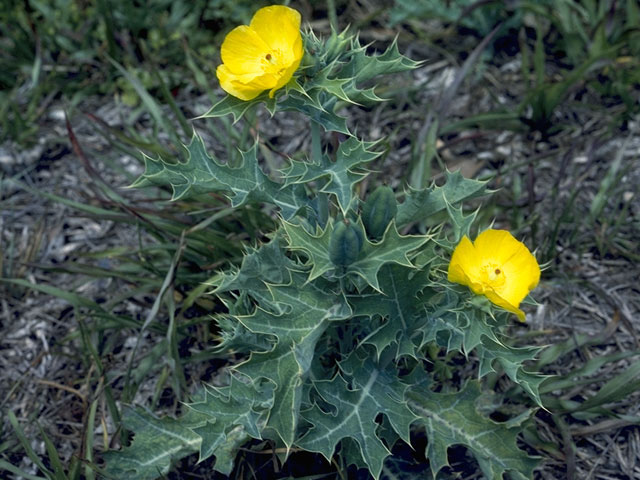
(464, 265)
(286, 76)
(233, 84)
(497, 246)
(279, 27)
(522, 273)
(243, 52)
(501, 302)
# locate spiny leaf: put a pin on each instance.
(463, 326)
(401, 306)
(466, 328)
(363, 67)
(393, 248)
(316, 247)
(421, 204)
(225, 450)
(236, 107)
(237, 408)
(304, 311)
(342, 64)
(342, 173)
(460, 223)
(190, 178)
(333, 86)
(359, 367)
(158, 443)
(452, 419)
(211, 435)
(235, 337)
(512, 360)
(302, 307)
(234, 405)
(283, 367)
(203, 174)
(298, 99)
(375, 391)
(323, 115)
(268, 263)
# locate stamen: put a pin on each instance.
(498, 271)
(268, 56)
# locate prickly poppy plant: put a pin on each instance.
(263, 55)
(497, 266)
(343, 335)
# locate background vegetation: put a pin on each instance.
(103, 297)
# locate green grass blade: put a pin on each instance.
(604, 191)
(619, 387)
(588, 369)
(88, 443)
(56, 464)
(187, 129)
(149, 102)
(73, 298)
(27, 445)
(4, 465)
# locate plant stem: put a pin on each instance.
(316, 142)
(333, 17)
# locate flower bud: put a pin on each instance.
(345, 243)
(378, 211)
(337, 44)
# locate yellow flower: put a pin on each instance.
(498, 266)
(263, 55)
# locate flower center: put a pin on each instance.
(272, 58)
(492, 275)
(274, 62)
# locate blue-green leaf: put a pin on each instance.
(316, 247)
(302, 308)
(401, 307)
(265, 264)
(234, 405)
(452, 419)
(421, 204)
(341, 175)
(204, 174)
(393, 248)
(374, 391)
(282, 366)
(323, 115)
(231, 105)
(158, 443)
(234, 413)
(462, 327)
(302, 315)
(512, 360)
(363, 67)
